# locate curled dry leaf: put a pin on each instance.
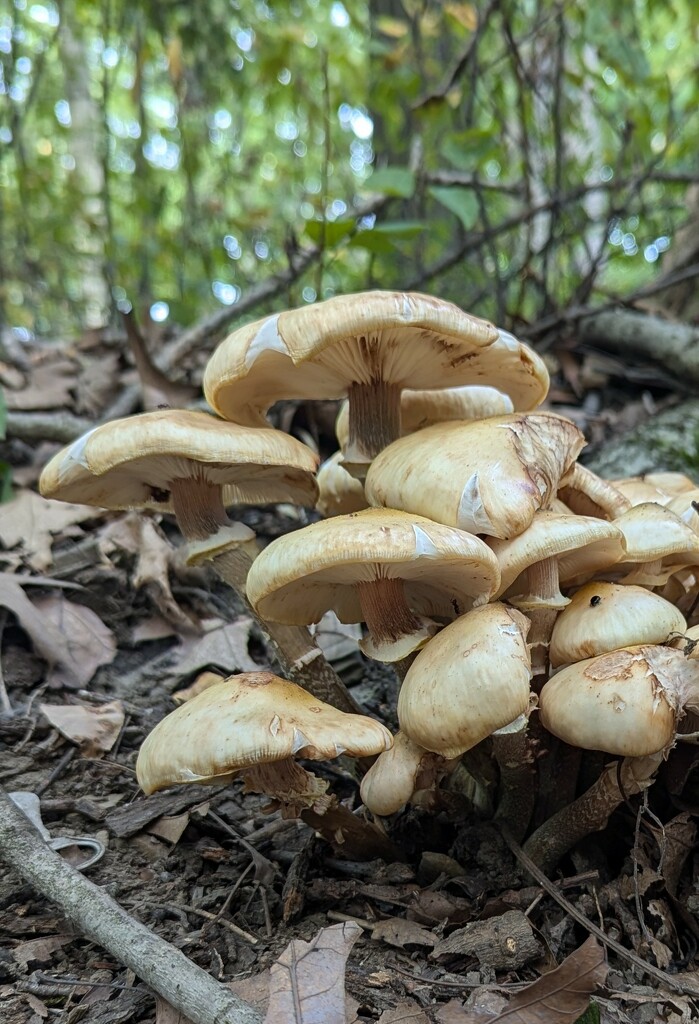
(223, 645)
(94, 730)
(30, 522)
(87, 642)
(307, 983)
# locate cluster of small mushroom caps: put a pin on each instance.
(459, 528)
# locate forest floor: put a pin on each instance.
(100, 615)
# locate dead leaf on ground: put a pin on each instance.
(38, 1006)
(170, 828)
(406, 1012)
(307, 983)
(48, 387)
(94, 730)
(167, 1014)
(559, 997)
(88, 643)
(397, 931)
(31, 521)
(224, 645)
(39, 950)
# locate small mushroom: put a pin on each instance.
(487, 477)
(399, 773)
(382, 567)
(367, 347)
(256, 725)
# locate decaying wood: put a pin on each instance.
(127, 821)
(674, 346)
(187, 988)
(662, 443)
(503, 943)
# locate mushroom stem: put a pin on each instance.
(513, 750)
(200, 514)
(591, 811)
(374, 423)
(541, 604)
(385, 610)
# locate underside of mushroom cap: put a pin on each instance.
(250, 719)
(131, 463)
(303, 574)
(486, 477)
(403, 338)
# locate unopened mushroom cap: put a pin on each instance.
(339, 493)
(403, 338)
(249, 719)
(574, 541)
(300, 576)
(392, 779)
(470, 679)
(420, 409)
(625, 702)
(487, 477)
(131, 463)
(604, 617)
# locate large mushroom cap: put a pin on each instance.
(604, 617)
(131, 463)
(250, 719)
(300, 576)
(658, 544)
(420, 409)
(403, 338)
(624, 702)
(485, 477)
(470, 679)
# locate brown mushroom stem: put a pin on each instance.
(514, 753)
(200, 514)
(374, 423)
(591, 811)
(354, 837)
(541, 605)
(385, 610)
(289, 783)
(588, 494)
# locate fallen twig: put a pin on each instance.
(187, 988)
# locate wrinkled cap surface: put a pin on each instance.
(403, 338)
(248, 719)
(131, 463)
(485, 477)
(303, 574)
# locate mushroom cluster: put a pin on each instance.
(485, 563)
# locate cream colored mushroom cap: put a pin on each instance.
(470, 679)
(604, 617)
(420, 409)
(488, 476)
(300, 576)
(625, 702)
(249, 719)
(131, 463)
(575, 541)
(660, 487)
(653, 532)
(392, 779)
(339, 493)
(404, 338)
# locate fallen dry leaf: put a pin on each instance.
(224, 645)
(307, 983)
(49, 387)
(559, 997)
(94, 730)
(38, 1006)
(30, 521)
(396, 931)
(39, 950)
(167, 1014)
(201, 683)
(407, 1011)
(170, 828)
(87, 642)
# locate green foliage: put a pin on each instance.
(158, 155)
(591, 1015)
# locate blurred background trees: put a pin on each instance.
(524, 159)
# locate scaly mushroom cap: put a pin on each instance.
(625, 702)
(470, 679)
(250, 719)
(485, 477)
(604, 617)
(300, 576)
(131, 463)
(403, 338)
(339, 493)
(420, 409)
(574, 541)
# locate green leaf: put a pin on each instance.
(332, 231)
(470, 149)
(382, 237)
(392, 181)
(590, 1016)
(5, 481)
(461, 201)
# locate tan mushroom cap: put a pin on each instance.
(604, 617)
(420, 409)
(625, 702)
(403, 338)
(398, 773)
(250, 719)
(488, 477)
(300, 576)
(660, 487)
(575, 541)
(339, 493)
(658, 544)
(470, 679)
(131, 463)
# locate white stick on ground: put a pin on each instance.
(96, 915)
